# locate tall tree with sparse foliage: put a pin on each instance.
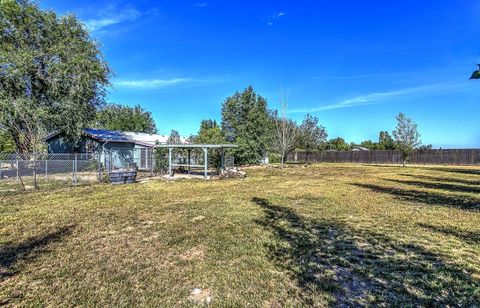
(126, 118)
(53, 75)
(312, 134)
(407, 137)
(246, 122)
(286, 131)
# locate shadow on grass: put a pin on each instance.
(442, 179)
(335, 265)
(465, 236)
(438, 185)
(28, 250)
(453, 170)
(462, 202)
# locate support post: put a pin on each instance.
(205, 152)
(189, 159)
(170, 161)
(151, 161)
(99, 162)
(222, 159)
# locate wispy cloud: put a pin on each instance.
(200, 4)
(151, 84)
(272, 18)
(384, 97)
(112, 16)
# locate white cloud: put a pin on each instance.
(151, 83)
(111, 16)
(157, 83)
(273, 17)
(384, 97)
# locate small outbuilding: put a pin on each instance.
(121, 147)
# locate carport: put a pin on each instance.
(189, 147)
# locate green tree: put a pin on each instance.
(174, 137)
(312, 135)
(53, 75)
(338, 144)
(6, 142)
(407, 137)
(385, 141)
(207, 124)
(126, 118)
(246, 122)
(211, 133)
(369, 144)
(425, 147)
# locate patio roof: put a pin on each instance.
(196, 145)
(204, 148)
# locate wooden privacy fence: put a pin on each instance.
(428, 157)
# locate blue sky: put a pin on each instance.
(353, 64)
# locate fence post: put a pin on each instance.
(99, 163)
(46, 167)
(74, 171)
(16, 163)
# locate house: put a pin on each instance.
(116, 149)
(359, 149)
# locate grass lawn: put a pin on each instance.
(328, 234)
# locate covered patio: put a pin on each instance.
(189, 148)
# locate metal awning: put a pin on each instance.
(204, 147)
(196, 145)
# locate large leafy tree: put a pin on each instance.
(126, 118)
(210, 133)
(247, 122)
(338, 144)
(312, 134)
(407, 137)
(52, 73)
(385, 141)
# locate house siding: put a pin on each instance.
(113, 155)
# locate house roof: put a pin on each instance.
(105, 135)
(357, 148)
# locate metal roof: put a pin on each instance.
(106, 135)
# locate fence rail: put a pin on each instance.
(421, 157)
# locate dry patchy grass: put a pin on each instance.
(329, 234)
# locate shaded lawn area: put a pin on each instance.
(328, 234)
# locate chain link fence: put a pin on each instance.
(24, 172)
(21, 172)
